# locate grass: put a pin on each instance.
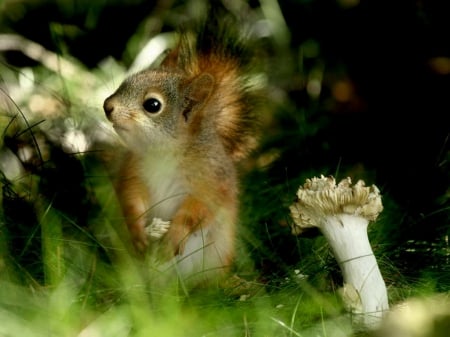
(65, 267)
(84, 283)
(83, 294)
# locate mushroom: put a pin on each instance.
(342, 213)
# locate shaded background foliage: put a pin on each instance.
(357, 88)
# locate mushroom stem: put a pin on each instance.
(364, 288)
(342, 213)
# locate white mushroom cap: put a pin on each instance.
(321, 197)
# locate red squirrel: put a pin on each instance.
(186, 125)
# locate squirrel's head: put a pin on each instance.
(158, 108)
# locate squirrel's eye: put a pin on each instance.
(152, 105)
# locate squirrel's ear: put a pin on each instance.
(197, 93)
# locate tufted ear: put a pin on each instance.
(197, 93)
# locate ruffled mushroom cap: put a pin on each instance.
(320, 197)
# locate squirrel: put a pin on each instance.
(187, 123)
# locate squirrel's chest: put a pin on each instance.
(166, 186)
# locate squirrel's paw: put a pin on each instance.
(157, 228)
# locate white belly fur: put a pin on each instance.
(202, 258)
(165, 186)
(200, 262)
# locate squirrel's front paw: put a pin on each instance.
(157, 228)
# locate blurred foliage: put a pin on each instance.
(353, 91)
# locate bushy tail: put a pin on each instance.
(220, 47)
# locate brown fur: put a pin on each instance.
(180, 165)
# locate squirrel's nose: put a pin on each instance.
(108, 106)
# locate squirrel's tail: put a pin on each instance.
(222, 48)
